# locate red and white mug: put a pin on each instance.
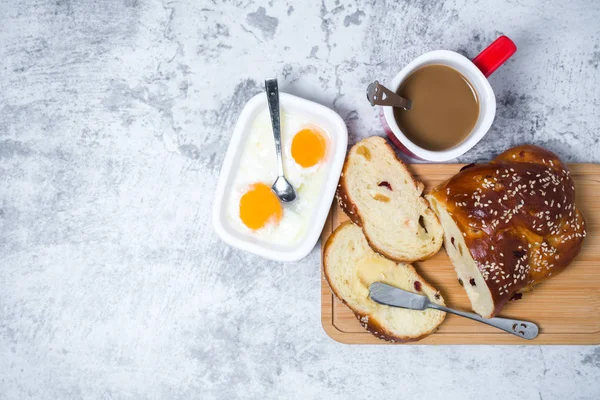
(476, 71)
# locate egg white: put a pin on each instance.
(258, 163)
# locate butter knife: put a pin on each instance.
(383, 293)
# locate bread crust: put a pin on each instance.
(375, 329)
(351, 210)
(366, 320)
(518, 218)
(343, 198)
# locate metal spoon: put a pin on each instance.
(377, 94)
(282, 187)
(383, 293)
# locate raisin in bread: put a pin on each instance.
(509, 224)
(379, 194)
(351, 266)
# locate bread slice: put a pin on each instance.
(465, 266)
(379, 194)
(350, 266)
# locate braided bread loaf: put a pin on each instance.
(509, 224)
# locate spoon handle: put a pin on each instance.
(523, 329)
(273, 101)
(379, 95)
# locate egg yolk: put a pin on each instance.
(308, 147)
(259, 206)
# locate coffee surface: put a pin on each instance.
(444, 108)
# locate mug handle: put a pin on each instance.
(495, 55)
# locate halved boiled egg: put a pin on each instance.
(308, 147)
(259, 206)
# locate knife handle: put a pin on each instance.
(523, 329)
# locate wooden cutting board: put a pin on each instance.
(566, 307)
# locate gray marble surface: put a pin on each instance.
(114, 120)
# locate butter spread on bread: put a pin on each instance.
(379, 194)
(350, 266)
(509, 224)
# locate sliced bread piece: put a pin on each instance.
(379, 194)
(351, 266)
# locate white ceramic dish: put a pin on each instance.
(316, 114)
(485, 93)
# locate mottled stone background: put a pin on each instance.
(114, 120)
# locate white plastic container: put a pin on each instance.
(316, 114)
